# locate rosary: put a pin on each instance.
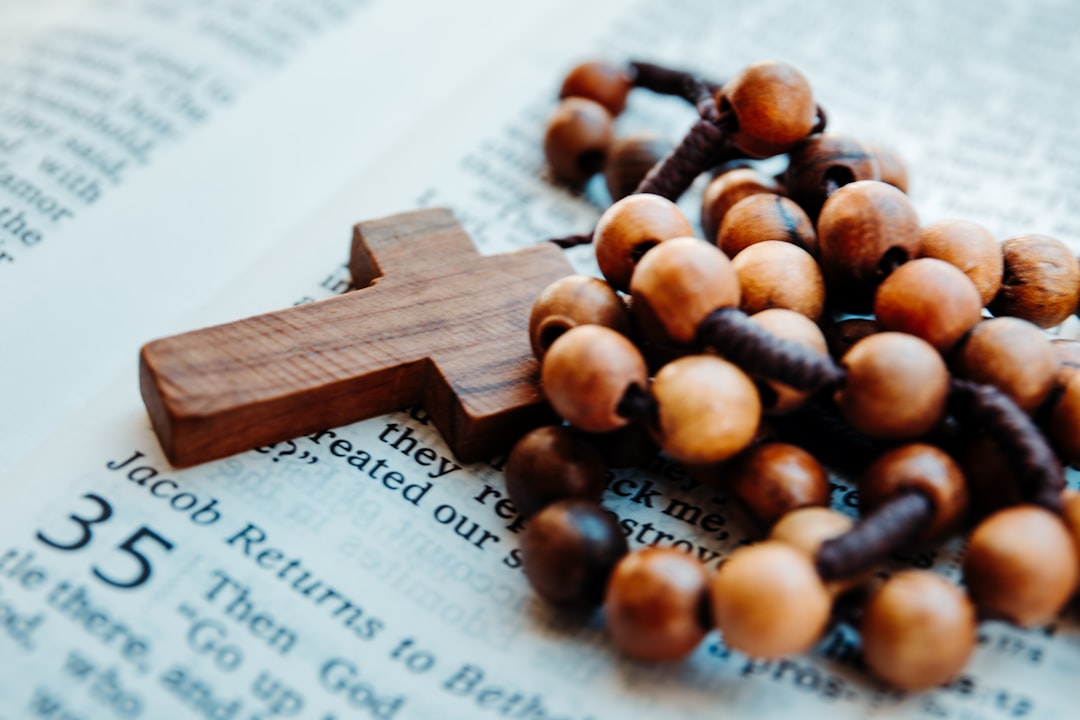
(819, 324)
(713, 350)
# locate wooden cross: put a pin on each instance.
(439, 325)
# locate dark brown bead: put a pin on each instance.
(577, 139)
(775, 274)
(773, 479)
(571, 301)
(769, 602)
(1067, 353)
(1064, 429)
(773, 105)
(681, 281)
(918, 468)
(601, 82)
(707, 409)
(777, 398)
(553, 463)
(1021, 565)
(824, 162)
(569, 550)
(970, 247)
(630, 228)
(865, 229)
(630, 159)
(586, 373)
(892, 167)
(653, 605)
(918, 630)
(1012, 355)
(845, 333)
(727, 189)
(930, 299)
(1041, 280)
(896, 386)
(762, 217)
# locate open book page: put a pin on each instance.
(150, 151)
(363, 572)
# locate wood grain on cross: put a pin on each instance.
(433, 323)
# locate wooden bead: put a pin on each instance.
(553, 463)
(1072, 518)
(629, 161)
(970, 247)
(930, 299)
(1067, 353)
(772, 479)
(1041, 280)
(569, 550)
(807, 528)
(571, 301)
(891, 165)
(708, 409)
(1064, 426)
(773, 105)
(630, 228)
(601, 82)
(654, 604)
(576, 140)
(824, 159)
(896, 386)
(680, 282)
(776, 274)
(762, 217)
(918, 468)
(918, 630)
(769, 602)
(777, 398)
(586, 373)
(865, 229)
(727, 189)
(1012, 355)
(842, 335)
(1021, 565)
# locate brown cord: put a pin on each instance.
(892, 525)
(1039, 474)
(734, 335)
(637, 403)
(667, 81)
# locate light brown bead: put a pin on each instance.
(571, 301)
(774, 107)
(896, 386)
(865, 229)
(1067, 353)
(930, 299)
(891, 165)
(825, 160)
(630, 228)
(918, 630)
(707, 409)
(680, 282)
(775, 274)
(807, 528)
(921, 468)
(762, 217)
(777, 398)
(653, 605)
(576, 140)
(1012, 355)
(569, 550)
(1072, 518)
(1041, 281)
(629, 161)
(772, 479)
(769, 602)
(601, 82)
(553, 463)
(1021, 565)
(586, 373)
(1064, 426)
(728, 188)
(970, 247)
